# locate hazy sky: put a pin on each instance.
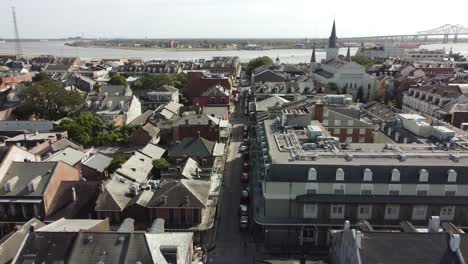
(225, 18)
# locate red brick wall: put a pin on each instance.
(206, 101)
(318, 112)
(343, 135)
(207, 132)
(196, 84)
(177, 221)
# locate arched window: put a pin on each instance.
(312, 175)
(452, 176)
(339, 174)
(367, 175)
(423, 175)
(395, 175)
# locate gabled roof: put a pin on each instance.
(68, 155)
(193, 147)
(152, 130)
(64, 143)
(114, 197)
(142, 119)
(175, 194)
(153, 151)
(114, 103)
(28, 126)
(182, 241)
(26, 172)
(98, 162)
(190, 169)
(115, 90)
(136, 168)
(269, 102)
(166, 88)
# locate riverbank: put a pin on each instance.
(152, 49)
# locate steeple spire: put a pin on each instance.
(348, 54)
(313, 54)
(333, 38)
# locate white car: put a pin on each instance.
(243, 209)
(244, 220)
(243, 148)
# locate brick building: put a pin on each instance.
(200, 81)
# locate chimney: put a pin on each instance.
(434, 224)
(109, 104)
(157, 227)
(74, 194)
(186, 121)
(455, 242)
(127, 226)
(318, 112)
(358, 239)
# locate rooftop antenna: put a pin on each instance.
(18, 48)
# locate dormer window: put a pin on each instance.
(312, 176)
(452, 176)
(423, 175)
(395, 175)
(339, 174)
(367, 175)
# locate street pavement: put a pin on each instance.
(232, 244)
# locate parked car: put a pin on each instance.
(243, 148)
(246, 156)
(245, 166)
(243, 209)
(245, 178)
(244, 197)
(244, 221)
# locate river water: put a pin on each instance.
(58, 48)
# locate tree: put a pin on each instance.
(39, 77)
(115, 164)
(152, 82)
(48, 100)
(117, 80)
(160, 165)
(257, 62)
(363, 60)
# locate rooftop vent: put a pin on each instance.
(454, 157)
(32, 185)
(401, 157)
(348, 157)
(10, 184)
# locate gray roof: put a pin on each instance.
(193, 147)
(98, 162)
(113, 103)
(68, 155)
(64, 143)
(137, 168)
(114, 247)
(216, 90)
(269, 102)
(153, 151)
(215, 111)
(142, 119)
(196, 119)
(28, 126)
(166, 88)
(152, 130)
(190, 169)
(177, 192)
(26, 172)
(115, 90)
(183, 242)
(115, 196)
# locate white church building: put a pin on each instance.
(348, 76)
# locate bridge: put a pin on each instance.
(433, 35)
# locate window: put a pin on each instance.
(362, 131)
(452, 176)
(447, 213)
(367, 175)
(362, 139)
(339, 188)
(178, 161)
(223, 100)
(325, 122)
(337, 211)
(394, 189)
(336, 131)
(419, 212)
(183, 217)
(395, 175)
(349, 131)
(349, 139)
(212, 100)
(308, 234)
(204, 162)
(366, 189)
(339, 174)
(423, 175)
(312, 175)
(450, 190)
(325, 113)
(310, 210)
(171, 216)
(392, 212)
(337, 122)
(196, 215)
(422, 189)
(350, 122)
(364, 211)
(311, 188)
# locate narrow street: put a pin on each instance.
(232, 244)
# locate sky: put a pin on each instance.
(225, 18)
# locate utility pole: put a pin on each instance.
(18, 49)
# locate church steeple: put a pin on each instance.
(348, 55)
(333, 39)
(313, 54)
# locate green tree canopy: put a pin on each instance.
(115, 164)
(118, 80)
(363, 60)
(152, 82)
(48, 100)
(257, 62)
(42, 76)
(160, 165)
(88, 129)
